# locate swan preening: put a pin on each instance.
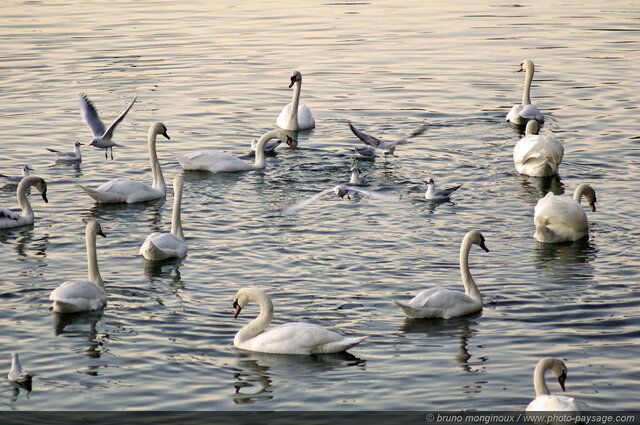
(544, 401)
(388, 148)
(14, 180)
(73, 155)
(161, 246)
(8, 218)
(221, 162)
(537, 155)
(561, 218)
(520, 114)
(445, 303)
(17, 373)
(74, 296)
(296, 116)
(432, 194)
(288, 338)
(101, 136)
(130, 191)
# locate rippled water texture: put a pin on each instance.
(217, 75)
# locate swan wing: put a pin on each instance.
(109, 133)
(90, 116)
(559, 219)
(538, 155)
(76, 296)
(364, 138)
(213, 161)
(531, 112)
(554, 403)
(123, 190)
(514, 114)
(305, 118)
(7, 214)
(160, 246)
(439, 303)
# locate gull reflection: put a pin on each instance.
(73, 325)
(18, 387)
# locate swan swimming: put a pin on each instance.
(288, 338)
(74, 155)
(14, 180)
(221, 162)
(388, 148)
(438, 195)
(444, 303)
(130, 191)
(10, 219)
(520, 114)
(17, 373)
(161, 246)
(296, 116)
(341, 191)
(101, 137)
(544, 401)
(74, 296)
(561, 218)
(537, 155)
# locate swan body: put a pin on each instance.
(75, 296)
(445, 303)
(520, 114)
(130, 191)
(537, 155)
(10, 219)
(438, 195)
(17, 373)
(544, 401)
(388, 148)
(221, 162)
(74, 155)
(289, 338)
(161, 246)
(101, 138)
(561, 218)
(296, 116)
(14, 180)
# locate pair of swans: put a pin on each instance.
(222, 162)
(520, 114)
(288, 338)
(131, 191)
(296, 116)
(544, 401)
(15, 180)
(75, 296)
(444, 303)
(537, 155)
(10, 219)
(561, 218)
(162, 246)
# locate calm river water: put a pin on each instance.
(217, 75)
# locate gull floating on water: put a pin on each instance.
(438, 195)
(74, 155)
(388, 148)
(357, 178)
(17, 373)
(340, 190)
(14, 180)
(101, 137)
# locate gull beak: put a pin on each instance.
(236, 309)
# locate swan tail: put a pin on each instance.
(60, 306)
(339, 346)
(408, 310)
(100, 196)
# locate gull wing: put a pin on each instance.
(365, 138)
(90, 116)
(301, 204)
(377, 194)
(109, 133)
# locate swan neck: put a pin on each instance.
(92, 258)
(581, 191)
(260, 156)
(538, 377)
(295, 101)
(156, 171)
(260, 323)
(528, 78)
(176, 222)
(470, 287)
(21, 194)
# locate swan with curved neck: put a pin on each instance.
(221, 162)
(537, 155)
(544, 401)
(289, 338)
(445, 303)
(296, 116)
(520, 114)
(161, 246)
(10, 219)
(561, 218)
(130, 191)
(74, 296)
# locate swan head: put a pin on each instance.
(159, 128)
(558, 368)
(244, 296)
(476, 238)
(589, 194)
(533, 127)
(95, 227)
(295, 77)
(526, 65)
(41, 185)
(288, 137)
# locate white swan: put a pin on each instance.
(221, 162)
(520, 114)
(17, 373)
(74, 155)
(160, 246)
(14, 180)
(438, 195)
(544, 401)
(561, 218)
(74, 296)
(289, 338)
(537, 155)
(8, 218)
(130, 191)
(444, 303)
(295, 116)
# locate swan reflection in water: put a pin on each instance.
(534, 188)
(128, 213)
(567, 260)
(253, 371)
(74, 325)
